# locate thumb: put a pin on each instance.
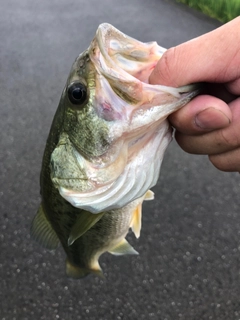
(212, 57)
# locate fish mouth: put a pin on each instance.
(136, 113)
(123, 66)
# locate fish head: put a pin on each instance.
(114, 128)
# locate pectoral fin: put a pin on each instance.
(85, 221)
(123, 247)
(149, 195)
(42, 231)
(136, 222)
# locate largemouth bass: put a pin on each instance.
(104, 150)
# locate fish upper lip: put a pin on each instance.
(123, 65)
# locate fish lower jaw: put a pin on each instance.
(76, 184)
(142, 168)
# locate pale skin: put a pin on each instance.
(210, 123)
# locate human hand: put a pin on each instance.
(210, 123)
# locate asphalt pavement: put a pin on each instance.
(188, 267)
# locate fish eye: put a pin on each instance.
(77, 93)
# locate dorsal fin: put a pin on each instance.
(123, 247)
(42, 231)
(85, 221)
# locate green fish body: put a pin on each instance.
(104, 150)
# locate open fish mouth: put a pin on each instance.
(134, 114)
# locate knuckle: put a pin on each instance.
(229, 138)
(228, 162)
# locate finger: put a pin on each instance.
(234, 86)
(201, 59)
(228, 161)
(214, 142)
(201, 115)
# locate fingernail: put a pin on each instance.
(211, 119)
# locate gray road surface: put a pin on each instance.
(188, 267)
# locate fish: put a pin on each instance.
(104, 150)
